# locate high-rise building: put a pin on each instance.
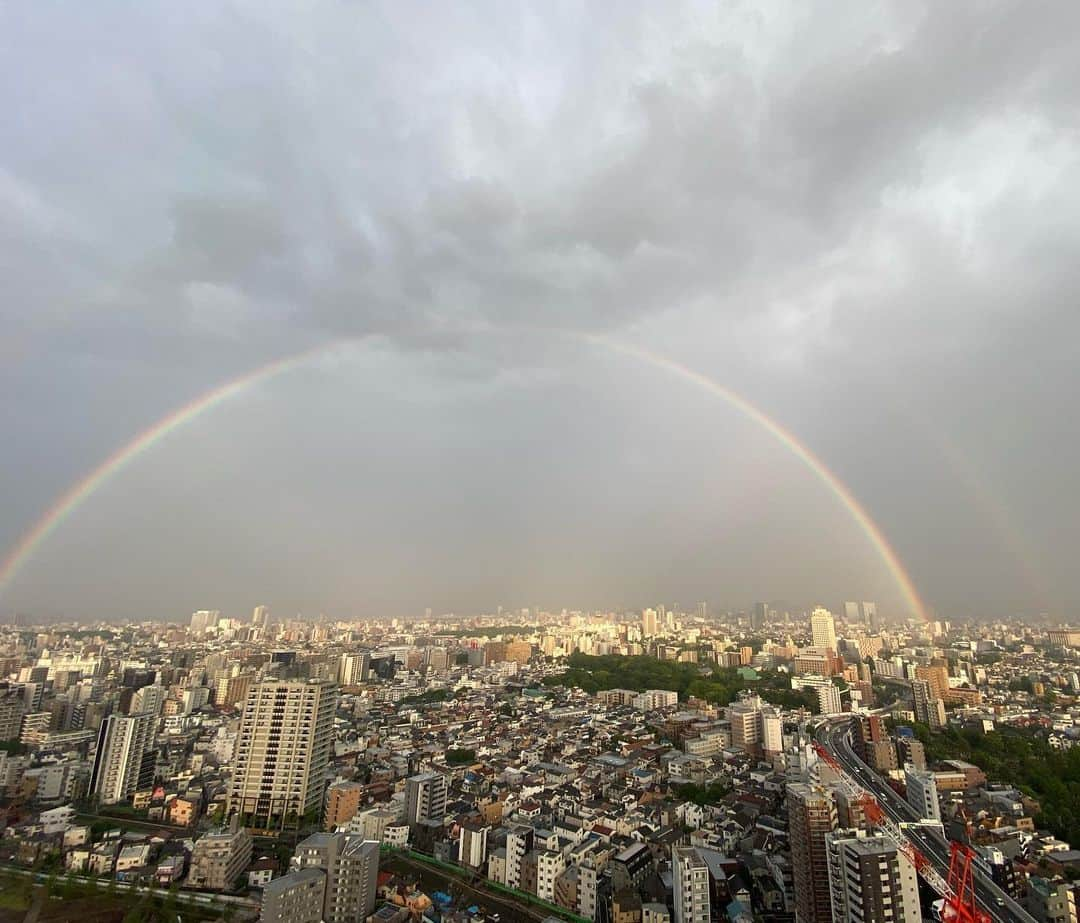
(353, 668)
(148, 699)
(922, 793)
(823, 629)
(690, 882)
(928, 708)
(649, 623)
(351, 864)
(759, 615)
(425, 798)
(472, 845)
(294, 898)
(869, 614)
(870, 880)
(204, 620)
(852, 613)
(124, 762)
(519, 842)
(283, 751)
(811, 815)
(342, 803)
(828, 698)
(260, 616)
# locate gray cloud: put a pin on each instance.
(858, 217)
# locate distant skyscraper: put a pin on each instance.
(759, 615)
(283, 751)
(852, 613)
(203, 620)
(260, 616)
(870, 880)
(869, 614)
(649, 623)
(811, 815)
(353, 668)
(124, 762)
(823, 629)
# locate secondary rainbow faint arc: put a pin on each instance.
(83, 489)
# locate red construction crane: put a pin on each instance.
(958, 892)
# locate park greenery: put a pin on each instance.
(460, 756)
(1022, 759)
(715, 684)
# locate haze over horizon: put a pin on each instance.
(868, 225)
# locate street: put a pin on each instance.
(835, 736)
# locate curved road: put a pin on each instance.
(835, 736)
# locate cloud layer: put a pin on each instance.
(867, 219)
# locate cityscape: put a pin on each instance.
(649, 766)
(539, 461)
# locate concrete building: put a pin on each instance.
(870, 881)
(472, 845)
(342, 803)
(811, 815)
(351, 864)
(823, 629)
(425, 798)
(1051, 901)
(295, 898)
(124, 761)
(219, 858)
(922, 793)
(519, 842)
(283, 751)
(690, 883)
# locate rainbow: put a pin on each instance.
(85, 488)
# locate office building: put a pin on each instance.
(811, 815)
(823, 629)
(870, 881)
(283, 751)
(690, 883)
(425, 798)
(649, 624)
(260, 616)
(124, 761)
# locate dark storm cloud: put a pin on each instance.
(855, 213)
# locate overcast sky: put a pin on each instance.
(865, 218)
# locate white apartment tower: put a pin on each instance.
(823, 629)
(690, 878)
(283, 751)
(124, 762)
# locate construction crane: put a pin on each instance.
(958, 892)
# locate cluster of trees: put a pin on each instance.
(702, 794)
(1024, 760)
(460, 756)
(433, 695)
(719, 685)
